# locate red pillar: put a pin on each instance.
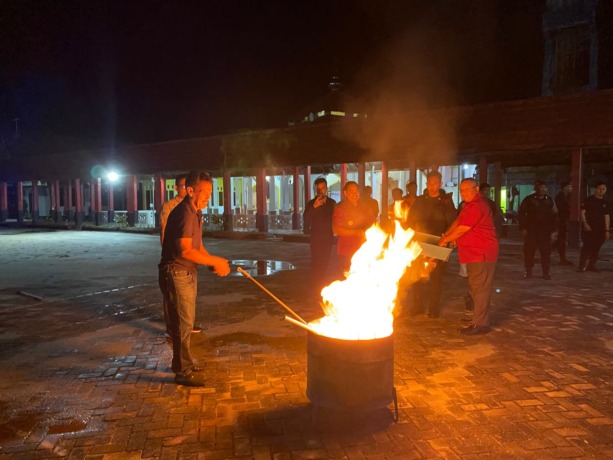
(576, 178)
(20, 202)
(132, 198)
(159, 196)
(296, 199)
(343, 171)
(482, 169)
(361, 175)
(35, 211)
(228, 215)
(307, 185)
(4, 204)
(69, 212)
(384, 190)
(78, 201)
(56, 192)
(261, 217)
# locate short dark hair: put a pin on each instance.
(436, 174)
(368, 188)
(180, 177)
(351, 182)
(320, 180)
(599, 183)
(193, 177)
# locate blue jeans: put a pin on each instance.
(179, 288)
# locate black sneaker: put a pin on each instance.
(189, 380)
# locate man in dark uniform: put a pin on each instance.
(595, 227)
(431, 213)
(538, 219)
(318, 223)
(182, 252)
(562, 203)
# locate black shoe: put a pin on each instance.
(546, 276)
(528, 275)
(566, 262)
(196, 330)
(473, 329)
(189, 380)
(592, 269)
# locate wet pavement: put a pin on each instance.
(85, 369)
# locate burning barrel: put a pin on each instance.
(350, 374)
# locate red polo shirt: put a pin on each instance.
(479, 244)
(357, 217)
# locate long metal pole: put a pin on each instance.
(244, 273)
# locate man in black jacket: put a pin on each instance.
(538, 220)
(431, 213)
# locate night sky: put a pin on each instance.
(106, 72)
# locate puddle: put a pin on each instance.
(259, 267)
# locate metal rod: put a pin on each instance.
(303, 326)
(294, 314)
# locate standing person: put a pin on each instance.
(595, 227)
(411, 196)
(484, 190)
(562, 203)
(371, 202)
(431, 213)
(538, 224)
(164, 213)
(182, 252)
(318, 223)
(475, 235)
(351, 218)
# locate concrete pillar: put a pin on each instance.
(159, 196)
(132, 197)
(261, 216)
(576, 179)
(228, 215)
(92, 201)
(78, 201)
(20, 202)
(35, 211)
(296, 199)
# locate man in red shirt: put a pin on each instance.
(351, 218)
(475, 234)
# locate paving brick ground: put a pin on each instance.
(85, 371)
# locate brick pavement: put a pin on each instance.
(85, 371)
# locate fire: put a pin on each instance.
(360, 306)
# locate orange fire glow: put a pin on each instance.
(360, 306)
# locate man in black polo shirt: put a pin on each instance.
(182, 252)
(595, 227)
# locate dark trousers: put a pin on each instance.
(320, 259)
(592, 242)
(561, 241)
(480, 280)
(541, 241)
(179, 288)
(429, 292)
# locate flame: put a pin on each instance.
(401, 210)
(360, 306)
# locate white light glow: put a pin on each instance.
(112, 176)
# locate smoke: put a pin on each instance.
(403, 90)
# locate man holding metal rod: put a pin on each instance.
(182, 252)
